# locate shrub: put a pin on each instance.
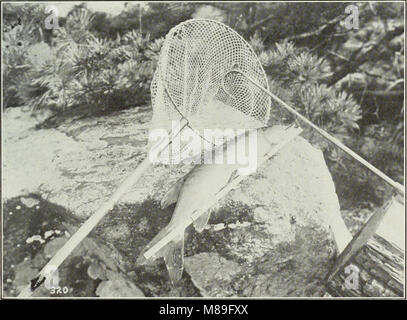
(84, 70)
(23, 28)
(15, 65)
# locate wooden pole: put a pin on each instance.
(377, 271)
(93, 220)
(360, 239)
(376, 253)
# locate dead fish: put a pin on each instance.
(192, 191)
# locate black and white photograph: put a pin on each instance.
(193, 150)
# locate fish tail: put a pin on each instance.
(174, 258)
(202, 221)
(172, 252)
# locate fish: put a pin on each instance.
(197, 188)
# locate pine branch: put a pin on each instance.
(316, 32)
(352, 65)
(359, 68)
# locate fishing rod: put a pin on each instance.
(397, 186)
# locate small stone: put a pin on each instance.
(53, 246)
(219, 226)
(29, 202)
(9, 280)
(18, 207)
(24, 272)
(118, 288)
(260, 214)
(37, 207)
(48, 234)
(96, 271)
(39, 260)
(10, 213)
(389, 293)
(12, 266)
(215, 280)
(35, 238)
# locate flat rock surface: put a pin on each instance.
(78, 164)
(269, 237)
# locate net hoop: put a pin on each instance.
(169, 70)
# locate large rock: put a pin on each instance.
(77, 164)
(269, 237)
(276, 228)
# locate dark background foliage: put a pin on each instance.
(349, 82)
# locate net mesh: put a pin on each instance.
(192, 79)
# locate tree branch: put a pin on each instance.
(359, 67)
(352, 65)
(316, 32)
(382, 93)
(262, 21)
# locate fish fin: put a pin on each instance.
(172, 252)
(174, 258)
(232, 176)
(172, 195)
(141, 259)
(202, 221)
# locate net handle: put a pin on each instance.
(94, 219)
(397, 186)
